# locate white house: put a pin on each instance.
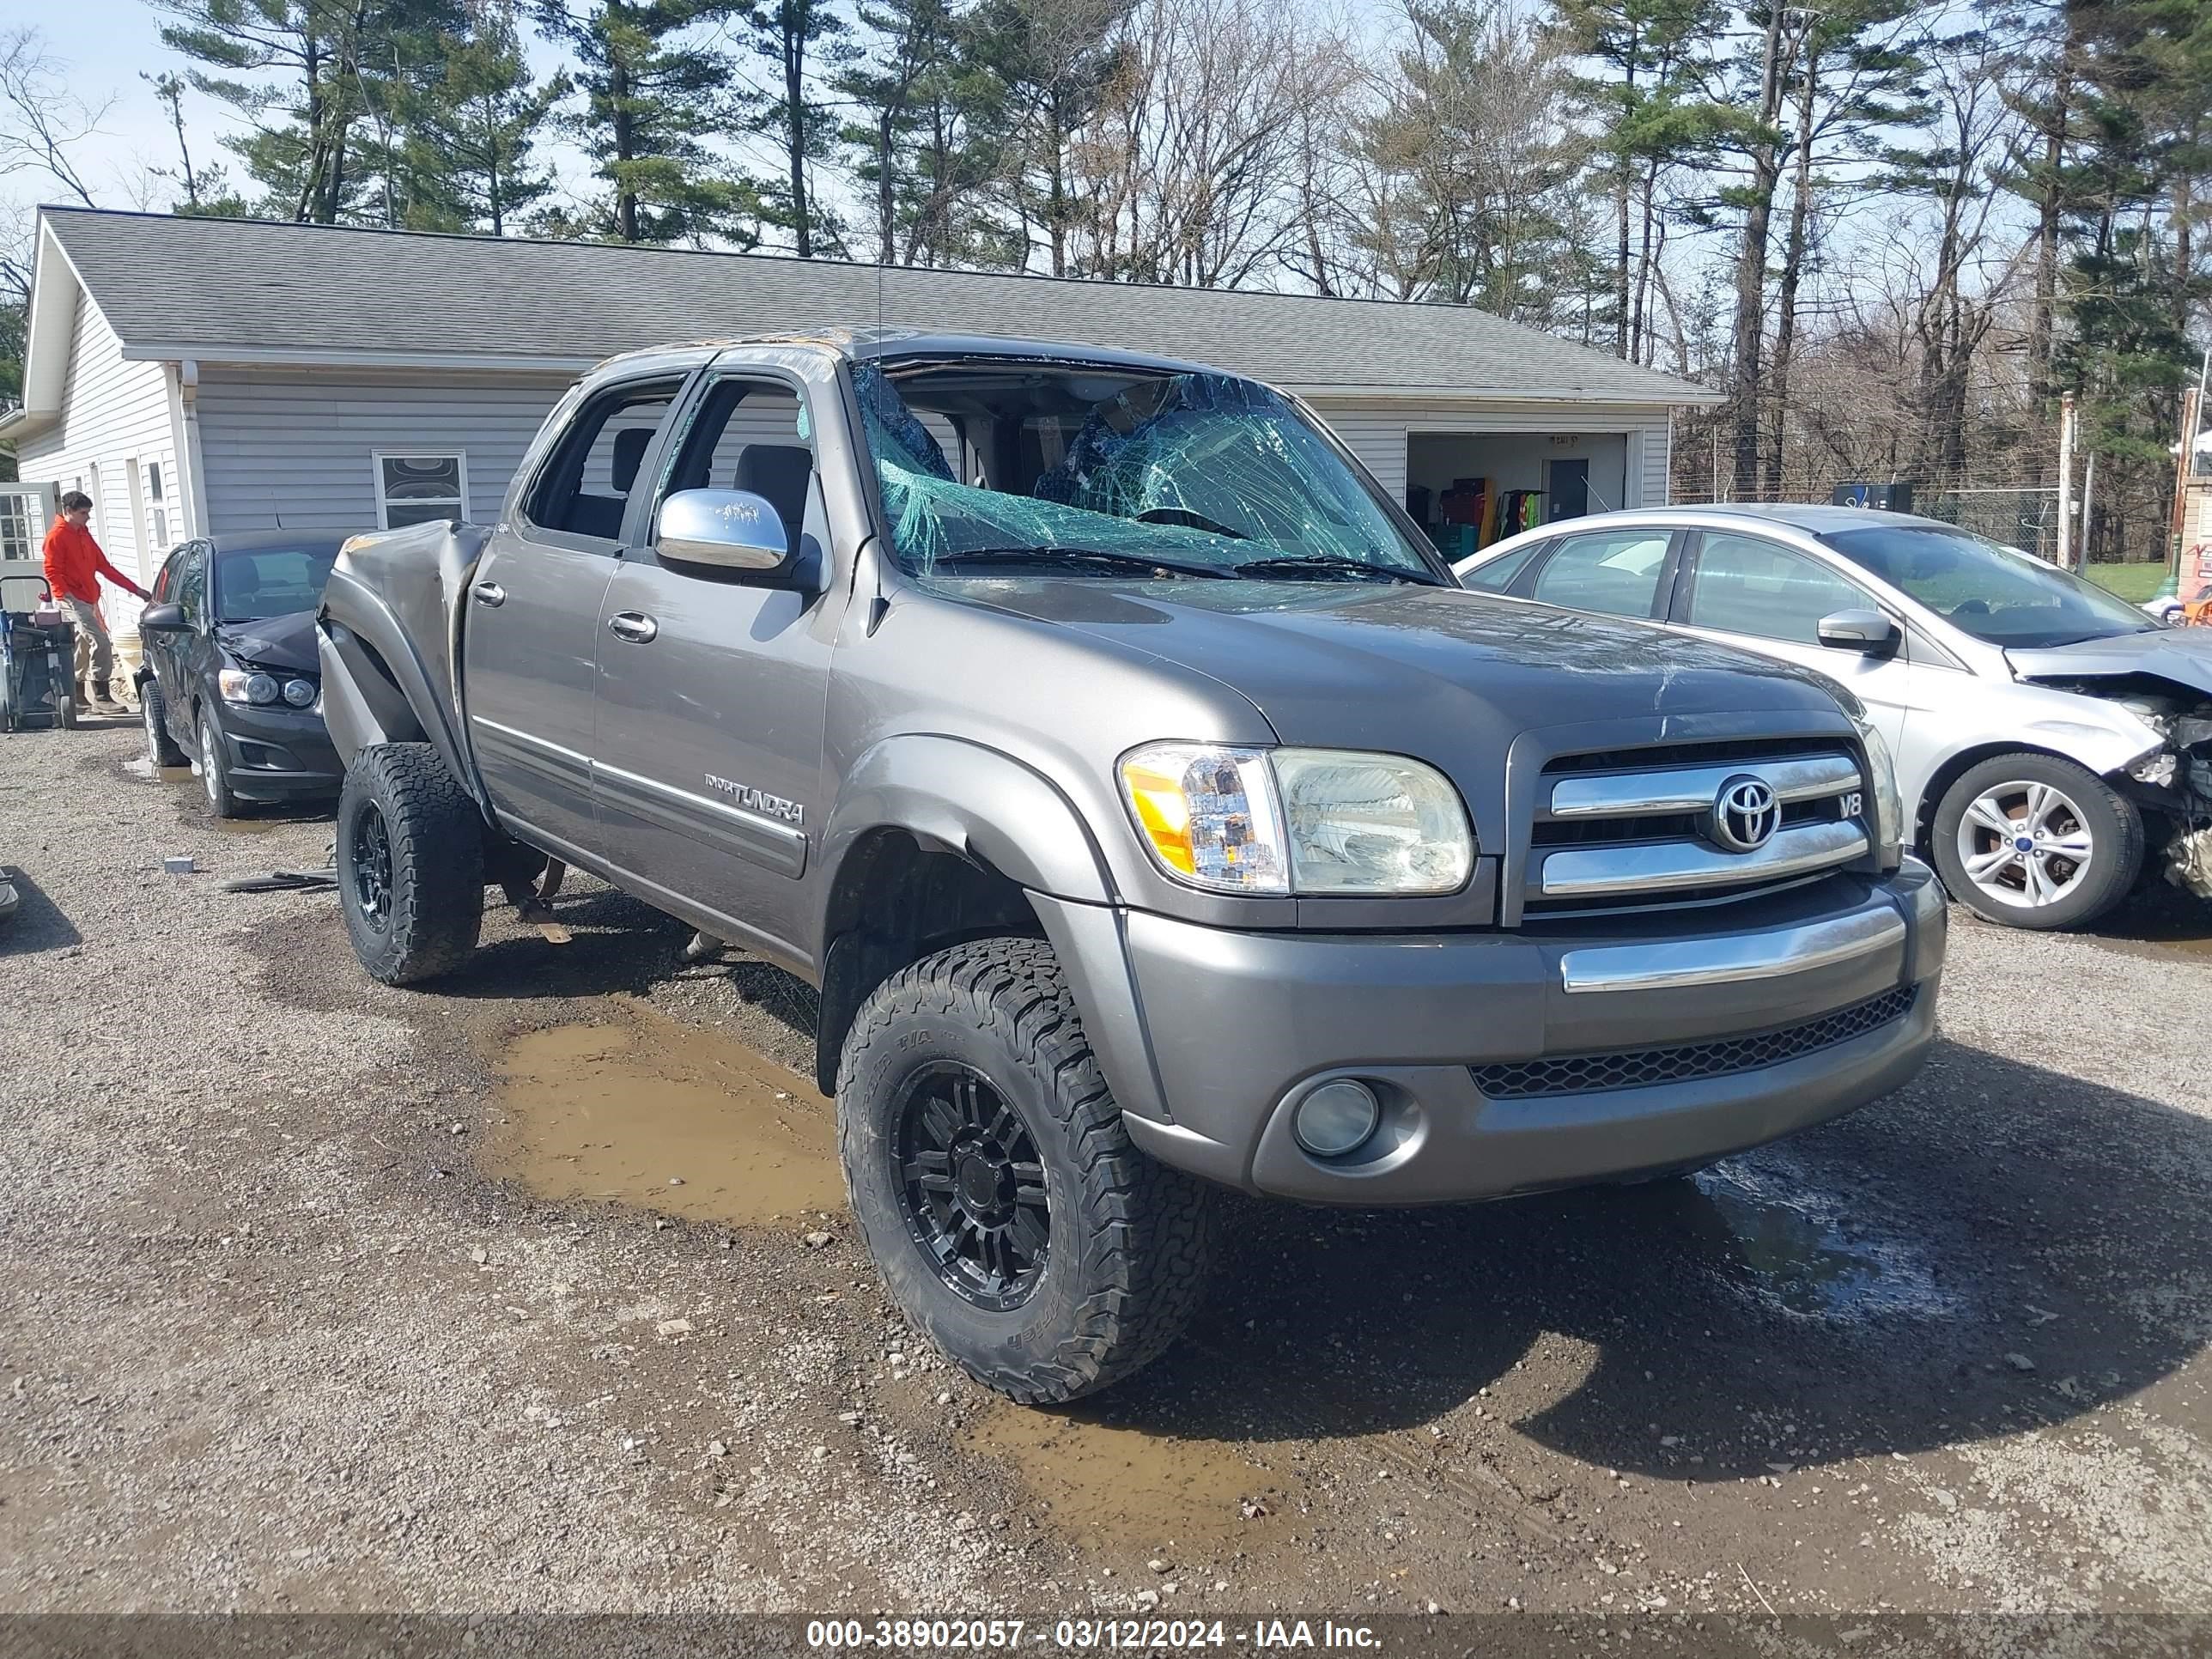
(198, 376)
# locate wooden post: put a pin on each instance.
(2177, 527)
(2066, 481)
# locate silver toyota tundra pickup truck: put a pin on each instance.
(1150, 806)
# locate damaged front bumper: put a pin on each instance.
(2174, 783)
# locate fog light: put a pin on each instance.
(1336, 1119)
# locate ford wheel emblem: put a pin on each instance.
(1746, 815)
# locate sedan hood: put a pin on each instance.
(1413, 669)
(2182, 656)
(285, 643)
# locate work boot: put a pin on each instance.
(104, 700)
(82, 701)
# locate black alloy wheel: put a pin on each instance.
(372, 867)
(973, 1185)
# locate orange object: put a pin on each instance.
(75, 564)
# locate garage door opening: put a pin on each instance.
(1469, 490)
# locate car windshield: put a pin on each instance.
(251, 583)
(987, 464)
(1997, 594)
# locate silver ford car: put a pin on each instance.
(2052, 742)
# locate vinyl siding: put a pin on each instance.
(1376, 432)
(115, 415)
(295, 448)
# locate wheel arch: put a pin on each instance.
(1956, 766)
(935, 840)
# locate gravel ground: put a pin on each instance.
(273, 1337)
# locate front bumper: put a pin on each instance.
(277, 753)
(1211, 1037)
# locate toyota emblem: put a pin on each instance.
(1746, 815)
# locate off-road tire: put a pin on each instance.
(2115, 827)
(433, 907)
(154, 709)
(215, 781)
(1130, 1240)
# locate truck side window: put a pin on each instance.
(748, 435)
(584, 487)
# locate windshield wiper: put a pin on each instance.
(1078, 556)
(1331, 564)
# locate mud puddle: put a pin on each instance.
(1107, 1483)
(1785, 1245)
(146, 772)
(665, 1117)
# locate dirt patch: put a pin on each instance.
(1111, 1484)
(665, 1117)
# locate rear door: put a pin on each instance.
(1762, 595)
(714, 687)
(531, 638)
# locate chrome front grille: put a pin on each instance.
(1640, 828)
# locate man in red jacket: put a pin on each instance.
(74, 565)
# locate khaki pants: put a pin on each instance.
(94, 650)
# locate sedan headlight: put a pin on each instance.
(1888, 805)
(1309, 821)
(248, 685)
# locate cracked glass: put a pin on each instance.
(1206, 474)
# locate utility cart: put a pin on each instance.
(38, 650)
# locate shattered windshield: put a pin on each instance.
(986, 463)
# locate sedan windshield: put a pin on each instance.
(251, 583)
(1997, 594)
(994, 466)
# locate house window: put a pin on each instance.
(157, 514)
(411, 488)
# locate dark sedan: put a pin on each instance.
(230, 683)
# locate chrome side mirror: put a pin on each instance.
(726, 528)
(1867, 632)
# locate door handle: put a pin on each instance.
(632, 625)
(490, 593)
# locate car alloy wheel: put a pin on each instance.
(372, 867)
(972, 1186)
(211, 763)
(2026, 843)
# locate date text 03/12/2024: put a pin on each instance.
(944, 1635)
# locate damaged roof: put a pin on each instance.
(248, 291)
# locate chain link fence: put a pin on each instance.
(2024, 518)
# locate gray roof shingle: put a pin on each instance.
(202, 286)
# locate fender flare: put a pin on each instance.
(367, 658)
(980, 804)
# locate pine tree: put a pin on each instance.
(1651, 113)
(799, 39)
(473, 135)
(653, 94)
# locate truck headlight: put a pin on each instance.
(1888, 805)
(1313, 821)
(1371, 823)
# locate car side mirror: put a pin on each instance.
(1867, 632)
(724, 529)
(163, 619)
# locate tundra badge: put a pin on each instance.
(757, 801)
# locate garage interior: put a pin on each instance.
(1469, 490)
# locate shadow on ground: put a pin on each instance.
(39, 925)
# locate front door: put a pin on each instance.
(713, 689)
(531, 636)
(1759, 594)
